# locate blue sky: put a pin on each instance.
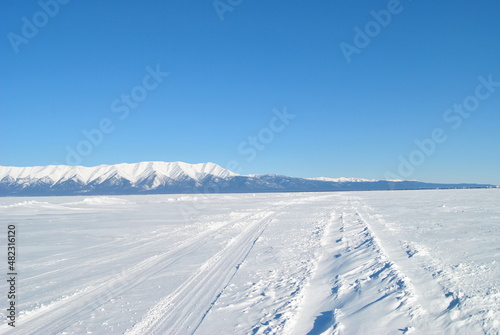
(68, 68)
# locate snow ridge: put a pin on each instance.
(135, 172)
(342, 179)
(177, 177)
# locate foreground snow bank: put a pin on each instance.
(419, 262)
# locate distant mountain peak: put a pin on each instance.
(176, 177)
(134, 172)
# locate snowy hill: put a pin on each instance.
(341, 179)
(176, 177)
(135, 173)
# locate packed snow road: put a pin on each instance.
(401, 262)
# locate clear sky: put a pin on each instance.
(301, 88)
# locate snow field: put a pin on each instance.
(401, 262)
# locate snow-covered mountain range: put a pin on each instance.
(176, 177)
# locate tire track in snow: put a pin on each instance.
(60, 314)
(355, 281)
(96, 257)
(444, 298)
(183, 311)
(139, 241)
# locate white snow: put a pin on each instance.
(382, 262)
(134, 172)
(342, 179)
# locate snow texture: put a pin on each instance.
(382, 262)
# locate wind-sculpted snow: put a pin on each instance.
(406, 262)
(105, 201)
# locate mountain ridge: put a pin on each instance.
(154, 177)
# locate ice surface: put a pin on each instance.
(382, 262)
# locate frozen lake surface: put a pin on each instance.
(382, 262)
